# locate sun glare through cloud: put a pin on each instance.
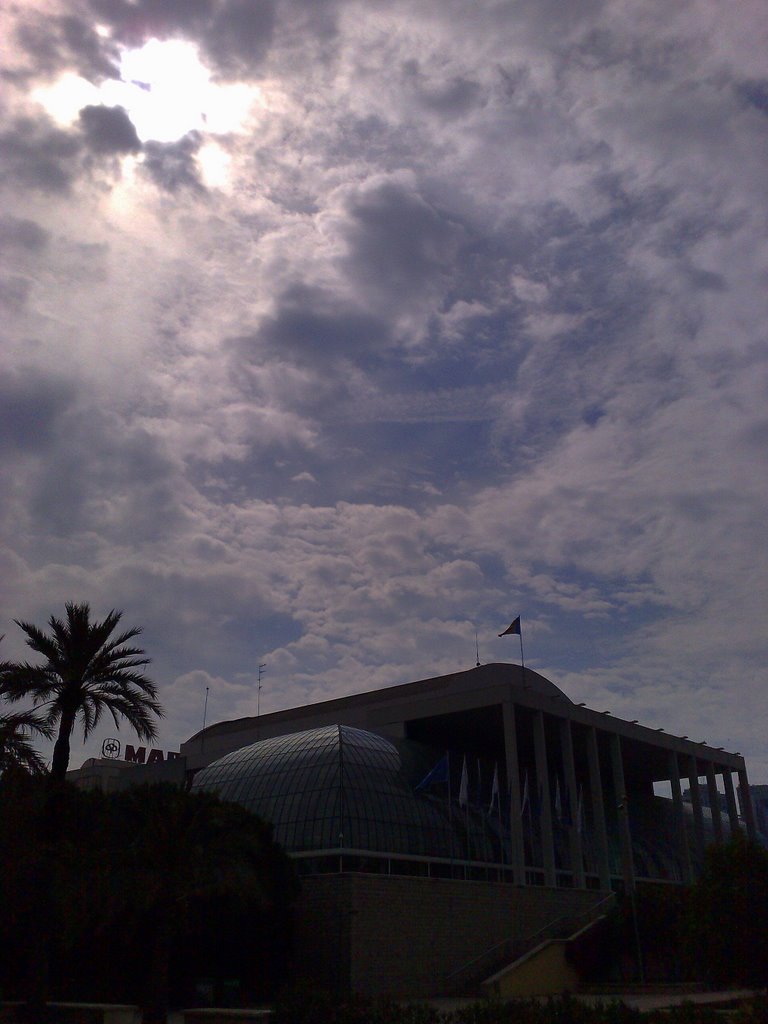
(164, 88)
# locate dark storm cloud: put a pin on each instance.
(398, 243)
(313, 326)
(755, 93)
(135, 23)
(20, 233)
(54, 44)
(103, 476)
(14, 292)
(171, 165)
(234, 35)
(451, 98)
(240, 35)
(35, 154)
(31, 406)
(108, 130)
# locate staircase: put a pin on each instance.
(466, 979)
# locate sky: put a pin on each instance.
(335, 332)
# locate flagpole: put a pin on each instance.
(466, 815)
(464, 795)
(517, 627)
(450, 808)
(531, 841)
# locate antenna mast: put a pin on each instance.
(205, 716)
(262, 667)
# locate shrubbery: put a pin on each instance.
(318, 1008)
(137, 896)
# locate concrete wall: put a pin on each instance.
(403, 937)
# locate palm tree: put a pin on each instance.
(86, 672)
(16, 748)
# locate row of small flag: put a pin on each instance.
(440, 772)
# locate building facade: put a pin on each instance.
(571, 792)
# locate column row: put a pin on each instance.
(601, 776)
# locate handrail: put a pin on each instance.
(517, 947)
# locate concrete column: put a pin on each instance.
(598, 810)
(513, 779)
(545, 803)
(698, 819)
(730, 799)
(574, 835)
(747, 810)
(679, 813)
(714, 803)
(625, 836)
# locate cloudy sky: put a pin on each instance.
(335, 331)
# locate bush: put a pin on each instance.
(728, 916)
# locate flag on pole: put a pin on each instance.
(494, 789)
(524, 801)
(464, 787)
(438, 773)
(513, 629)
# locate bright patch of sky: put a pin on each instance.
(166, 91)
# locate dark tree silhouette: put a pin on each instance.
(86, 672)
(16, 749)
(151, 890)
(187, 860)
(729, 914)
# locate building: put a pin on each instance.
(442, 824)
(585, 779)
(759, 798)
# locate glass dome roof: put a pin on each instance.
(338, 788)
(331, 788)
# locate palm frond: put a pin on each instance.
(16, 732)
(22, 680)
(39, 641)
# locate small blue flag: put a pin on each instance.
(439, 773)
(513, 630)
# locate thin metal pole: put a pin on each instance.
(450, 807)
(341, 797)
(205, 716)
(262, 666)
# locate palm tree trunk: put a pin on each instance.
(60, 762)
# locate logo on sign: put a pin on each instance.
(110, 748)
